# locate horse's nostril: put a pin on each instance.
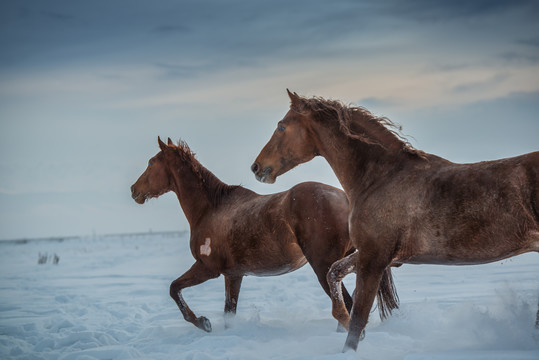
(254, 168)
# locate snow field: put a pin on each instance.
(107, 298)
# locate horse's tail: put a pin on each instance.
(388, 300)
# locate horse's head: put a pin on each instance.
(291, 144)
(155, 180)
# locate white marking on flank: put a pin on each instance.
(206, 248)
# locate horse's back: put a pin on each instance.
(531, 163)
(472, 213)
(318, 200)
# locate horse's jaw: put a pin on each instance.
(139, 198)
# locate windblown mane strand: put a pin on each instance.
(354, 116)
(215, 188)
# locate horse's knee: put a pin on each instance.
(347, 265)
(338, 271)
(174, 290)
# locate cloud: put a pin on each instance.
(373, 103)
(112, 77)
(481, 130)
(520, 58)
(170, 29)
(480, 86)
(174, 71)
(58, 16)
(531, 41)
(426, 11)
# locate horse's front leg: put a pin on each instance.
(370, 270)
(337, 272)
(197, 274)
(232, 291)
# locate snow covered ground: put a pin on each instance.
(107, 298)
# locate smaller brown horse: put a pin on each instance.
(407, 206)
(236, 232)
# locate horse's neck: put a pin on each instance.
(356, 163)
(190, 191)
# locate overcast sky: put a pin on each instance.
(87, 86)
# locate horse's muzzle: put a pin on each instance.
(263, 175)
(139, 199)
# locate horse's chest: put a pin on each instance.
(377, 217)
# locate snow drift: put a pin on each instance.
(107, 298)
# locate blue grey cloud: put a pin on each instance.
(170, 29)
(58, 16)
(530, 41)
(221, 32)
(435, 11)
(112, 75)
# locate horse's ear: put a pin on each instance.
(162, 145)
(295, 100)
(169, 142)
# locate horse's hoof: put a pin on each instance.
(351, 343)
(348, 347)
(362, 335)
(204, 324)
(229, 321)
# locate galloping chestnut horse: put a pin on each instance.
(406, 206)
(236, 232)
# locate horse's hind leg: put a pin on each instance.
(232, 291)
(197, 274)
(335, 275)
(321, 269)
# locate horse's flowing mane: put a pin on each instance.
(356, 122)
(215, 188)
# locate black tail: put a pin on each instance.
(388, 300)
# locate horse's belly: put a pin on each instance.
(276, 263)
(276, 270)
(461, 256)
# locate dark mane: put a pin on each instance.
(214, 188)
(359, 123)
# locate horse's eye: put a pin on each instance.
(150, 163)
(281, 128)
